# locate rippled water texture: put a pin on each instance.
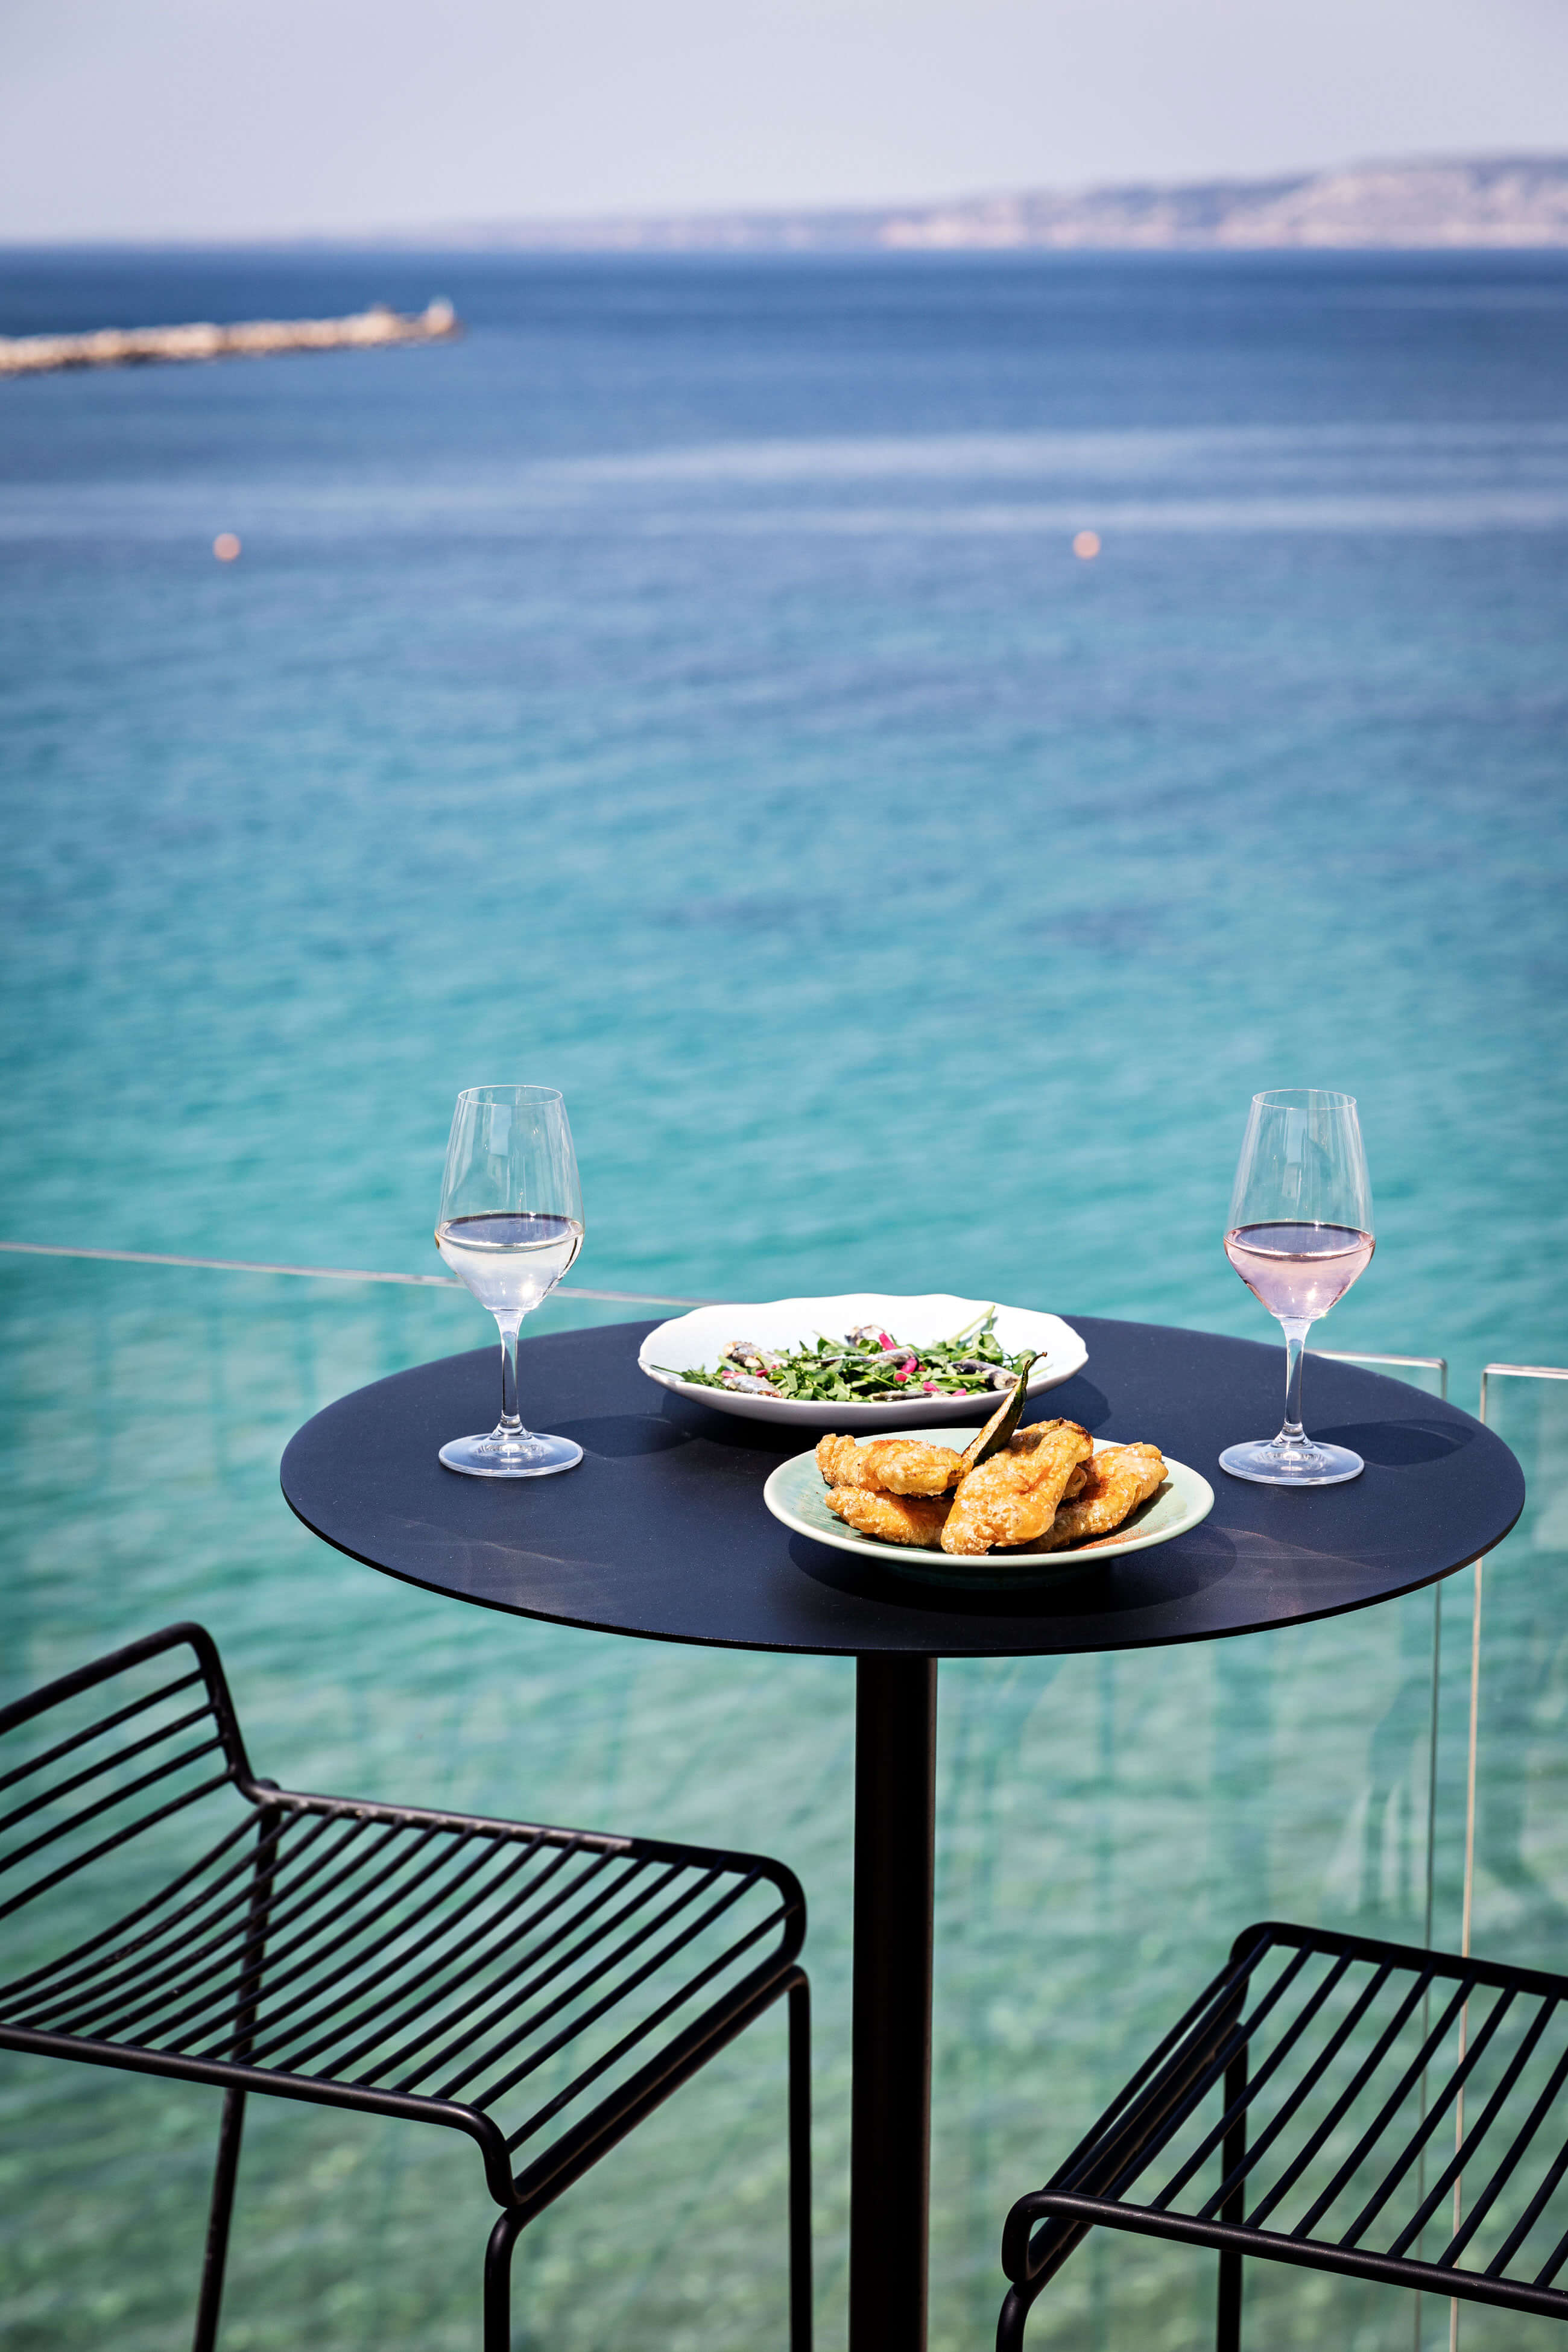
(683, 689)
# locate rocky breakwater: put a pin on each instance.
(253, 338)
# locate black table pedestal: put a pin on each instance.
(895, 1866)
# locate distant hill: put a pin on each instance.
(1507, 201)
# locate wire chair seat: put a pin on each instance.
(1341, 2104)
(538, 1988)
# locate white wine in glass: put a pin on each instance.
(509, 1227)
(1299, 1232)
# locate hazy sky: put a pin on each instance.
(213, 117)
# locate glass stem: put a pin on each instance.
(509, 1326)
(1295, 1348)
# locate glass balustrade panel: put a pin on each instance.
(1106, 1825)
(1502, 1847)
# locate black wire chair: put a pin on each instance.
(1330, 2101)
(541, 1989)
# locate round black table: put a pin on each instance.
(662, 1533)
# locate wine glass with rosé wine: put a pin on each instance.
(1298, 1234)
(509, 1227)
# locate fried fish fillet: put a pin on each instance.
(889, 1466)
(1026, 1440)
(1013, 1498)
(896, 1518)
(1118, 1480)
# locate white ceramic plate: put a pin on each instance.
(691, 1343)
(795, 1495)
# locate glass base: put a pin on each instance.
(510, 1453)
(1271, 1462)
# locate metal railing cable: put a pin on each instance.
(326, 1273)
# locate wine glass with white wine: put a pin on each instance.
(510, 1227)
(1298, 1234)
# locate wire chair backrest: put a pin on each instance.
(120, 1751)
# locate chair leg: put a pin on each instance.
(222, 2205)
(1227, 2328)
(800, 2294)
(504, 2236)
(498, 2281)
(1010, 2321)
(232, 2128)
(1228, 2322)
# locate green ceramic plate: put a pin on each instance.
(794, 1494)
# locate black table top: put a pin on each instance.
(662, 1531)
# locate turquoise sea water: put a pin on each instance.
(683, 691)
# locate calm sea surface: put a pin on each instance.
(682, 689)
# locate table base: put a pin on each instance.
(895, 1855)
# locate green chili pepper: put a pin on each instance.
(1001, 1426)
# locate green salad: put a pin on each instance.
(867, 1366)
